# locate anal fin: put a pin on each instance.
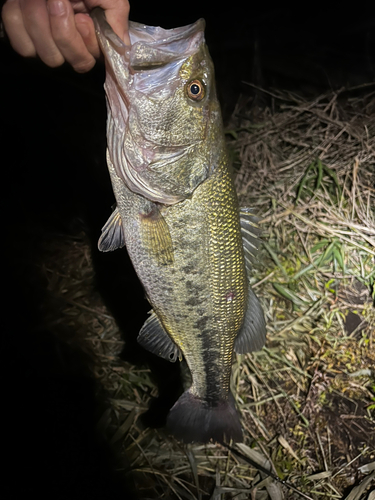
(112, 236)
(252, 335)
(155, 339)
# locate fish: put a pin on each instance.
(177, 213)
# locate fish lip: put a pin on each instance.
(190, 35)
(104, 30)
(156, 35)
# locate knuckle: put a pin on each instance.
(63, 38)
(10, 15)
(32, 18)
(84, 66)
(63, 34)
(53, 60)
(13, 25)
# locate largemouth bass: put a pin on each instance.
(178, 215)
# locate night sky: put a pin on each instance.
(53, 149)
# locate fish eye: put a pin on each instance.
(195, 90)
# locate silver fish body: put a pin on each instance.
(177, 213)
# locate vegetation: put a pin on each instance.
(307, 400)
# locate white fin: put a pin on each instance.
(155, 339)
(250, 232)
(112, 233)
(252, 335)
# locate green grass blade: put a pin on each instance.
(339, 258)
(303, 182)
(275, 258)
(333, 176)
(320, 174)
(288, 294)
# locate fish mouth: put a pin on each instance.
(152, 62)
(149, 42)
(151, 47)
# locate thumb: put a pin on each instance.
(117, 15)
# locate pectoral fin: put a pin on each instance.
(252, 335)
(112, 233)
(250, 232)
(155, 339)
(155, 235)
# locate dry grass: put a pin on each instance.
(307, 399)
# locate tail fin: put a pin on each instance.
(193, 419)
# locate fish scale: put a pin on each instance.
(178, 215)
(216, 252)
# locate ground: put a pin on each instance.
(307, 399)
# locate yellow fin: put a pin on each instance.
(156, 236)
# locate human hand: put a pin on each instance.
(61, 30)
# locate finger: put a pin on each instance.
(117, 15)
(67, 37)
(37, 24)
(13, 23)
(86, 29)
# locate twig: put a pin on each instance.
(267, 472)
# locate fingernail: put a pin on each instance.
(56, 7)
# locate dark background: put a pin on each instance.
(55, 180)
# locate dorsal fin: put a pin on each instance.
(112, 233)
(155, 339)
(252, 335)
(250, 232)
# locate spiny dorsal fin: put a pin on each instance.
(155, 339)
(250, 232)
(156, 236)
(112, 233)
(252, 335)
